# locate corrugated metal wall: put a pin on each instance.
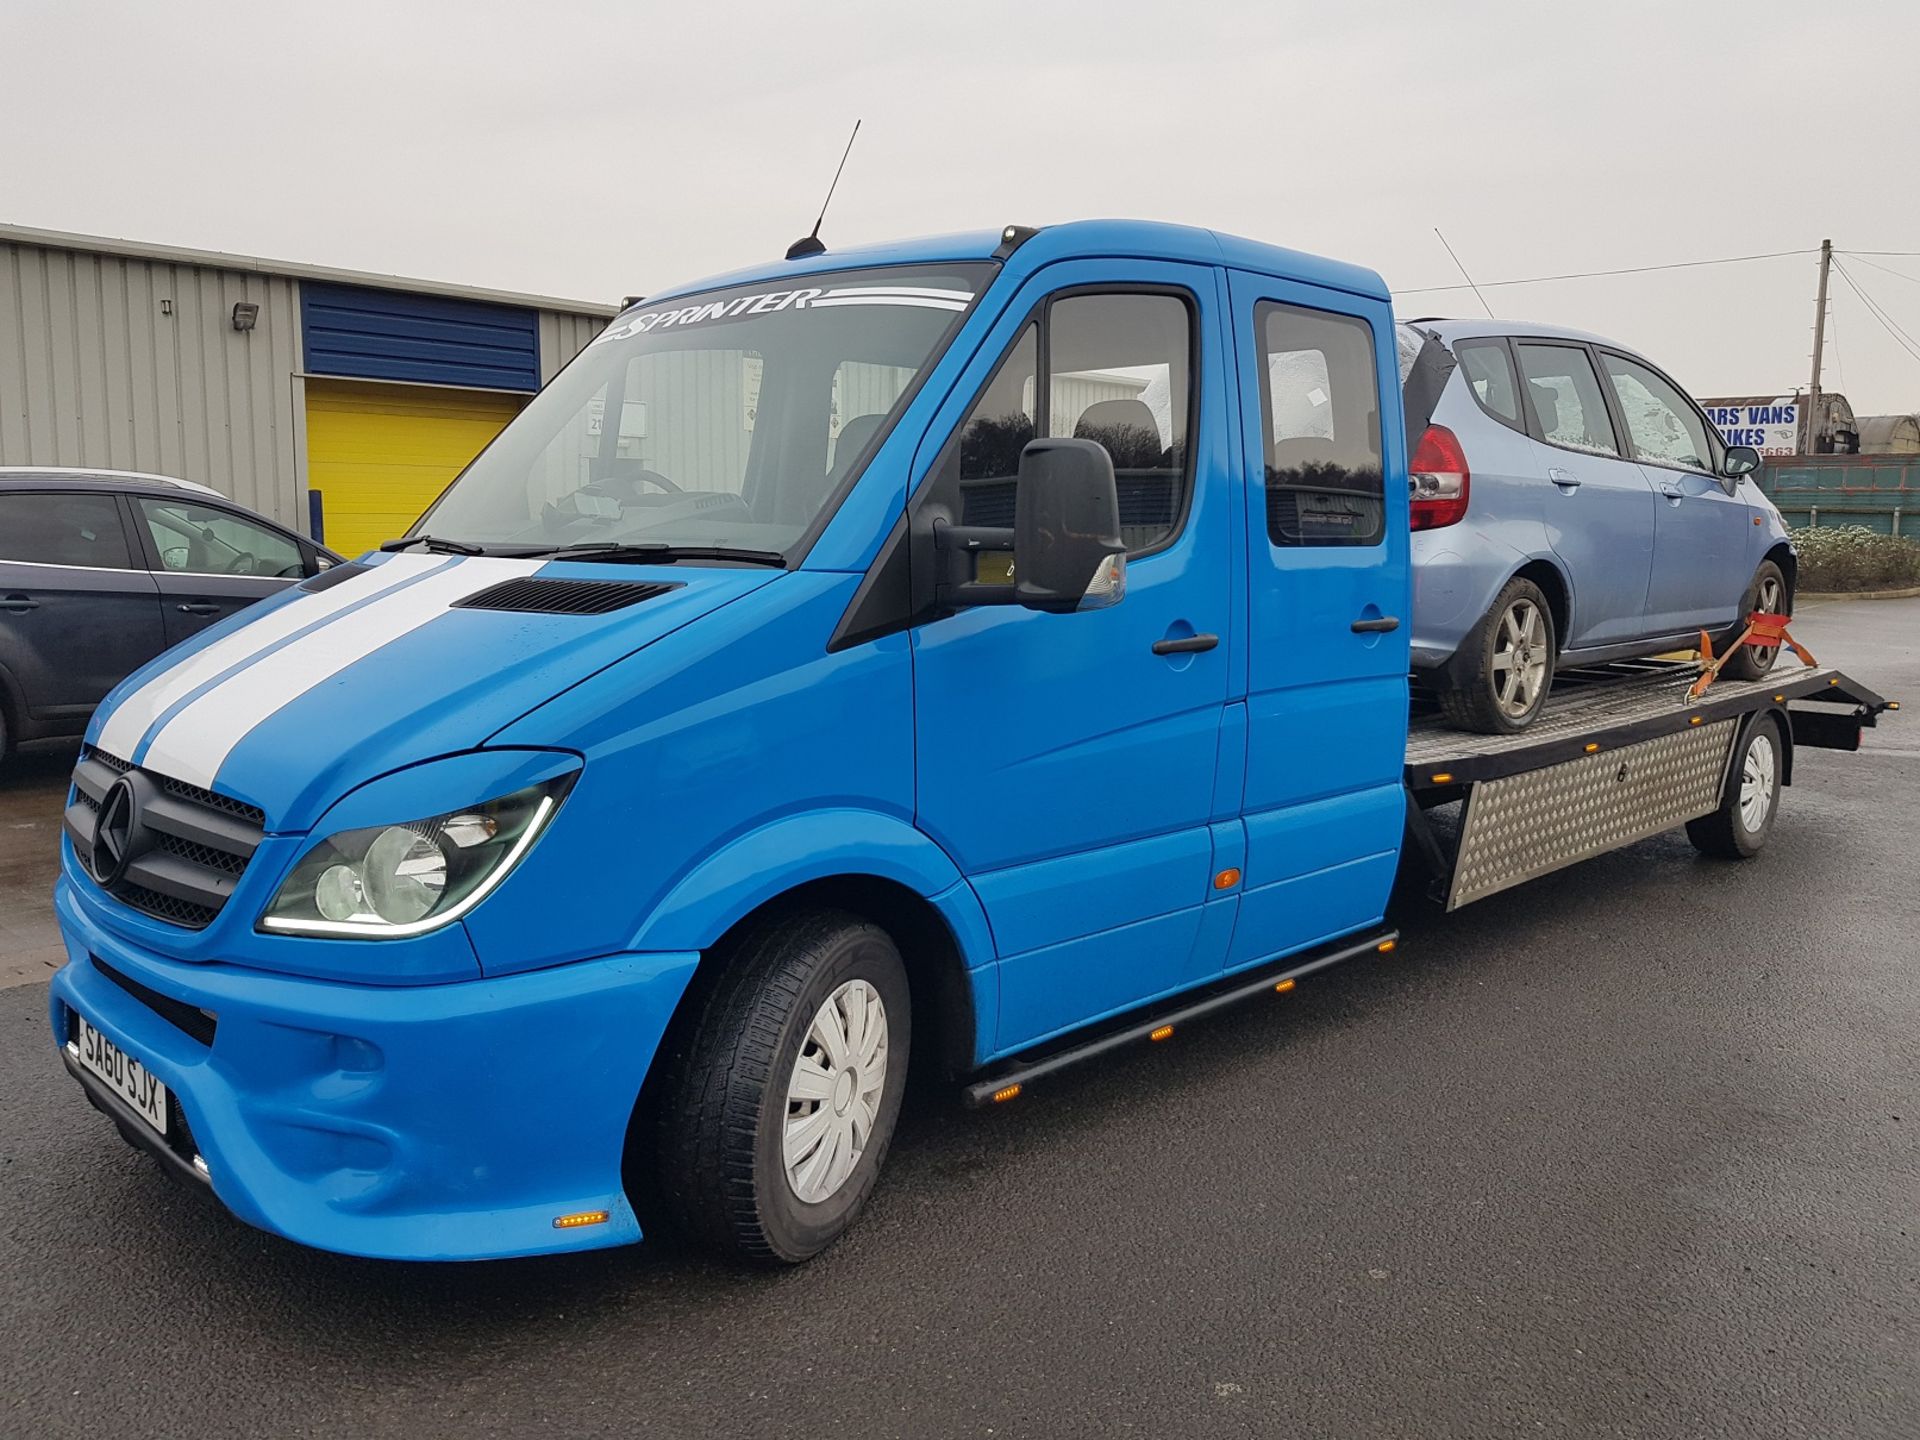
(135, 365)
(563, 336)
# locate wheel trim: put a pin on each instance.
(1520, 659)
(1767, 602)
(1757, 768)
(834, 1092)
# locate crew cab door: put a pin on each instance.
(210, 561)
(1065, 762)
(1328, 602)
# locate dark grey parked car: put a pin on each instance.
(101, 570)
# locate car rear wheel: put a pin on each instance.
(1505, 665)
(1744, 819)
(1768, 595)
(785, 1097)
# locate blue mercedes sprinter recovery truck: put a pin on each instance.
(983, 652)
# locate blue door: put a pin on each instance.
(1326, 540)
(1066, 766)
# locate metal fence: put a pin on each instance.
(1881, 492)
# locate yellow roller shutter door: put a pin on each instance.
(380, 454)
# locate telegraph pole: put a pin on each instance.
(1819, 348)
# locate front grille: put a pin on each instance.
(190, 845)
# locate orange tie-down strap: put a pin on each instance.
(1763, 632)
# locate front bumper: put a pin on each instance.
(430, 1122)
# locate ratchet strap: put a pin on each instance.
(1763, 632)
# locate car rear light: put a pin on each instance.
(1440, 480)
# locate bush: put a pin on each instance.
(1852, 557)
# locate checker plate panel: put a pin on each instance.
(1522, 826)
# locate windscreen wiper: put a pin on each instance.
(434, 543)
(657, 552)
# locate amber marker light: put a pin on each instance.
(1165, 1032)
(585, 1217)
(1281, 987)
(1226, 879)
(1443, 777)
(1695, 719)
(1893, 704)
(1592, 745)
(1005, 1093)
(1779, 699)
(1386, 946)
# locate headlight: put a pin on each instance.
(390, 881)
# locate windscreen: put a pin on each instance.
(730, 418)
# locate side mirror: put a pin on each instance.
(1740, 460)
(1067, 550)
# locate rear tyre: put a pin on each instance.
(784, 1100)
(1741, 825)
(1768, 595)
(1505, 664)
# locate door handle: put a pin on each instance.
(19, 604)
(198, 607)
(1385, 625)
(1673, 493)
(1185, 645)
(1565, 479)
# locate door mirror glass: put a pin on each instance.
(1740, 460)
(1067, 550)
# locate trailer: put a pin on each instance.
(1620, 753)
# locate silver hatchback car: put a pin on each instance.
(1571, 505)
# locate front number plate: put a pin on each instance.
(126, 1076)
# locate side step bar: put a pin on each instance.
(1009, 1079)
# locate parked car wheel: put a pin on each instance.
(1745, 818)
(1505, 664)
(1768, 595)
(786, 1096)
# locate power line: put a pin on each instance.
(1888, 269)
(1909, 254)
(1900, 337)
(1591, 274)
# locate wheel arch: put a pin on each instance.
(1553, 584)
(1781, 553)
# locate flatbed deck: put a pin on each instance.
(1609, 706)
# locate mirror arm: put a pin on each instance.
(958, 545)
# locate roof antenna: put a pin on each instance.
(1466, 277)
(810, 243)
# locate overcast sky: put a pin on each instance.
(593, 150)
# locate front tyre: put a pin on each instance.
(1768, 595)
(785, 1098)
(1740, 826)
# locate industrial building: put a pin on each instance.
(335, 402)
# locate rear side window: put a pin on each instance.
(1664, 428)
(1320, 392)
(63, 528)
(1564, 395)
(1489, 373)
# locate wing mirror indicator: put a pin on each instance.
(1065, 543)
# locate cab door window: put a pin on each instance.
(1663, 426)
(1320, 394)
(204, 540)
(1118, 370)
